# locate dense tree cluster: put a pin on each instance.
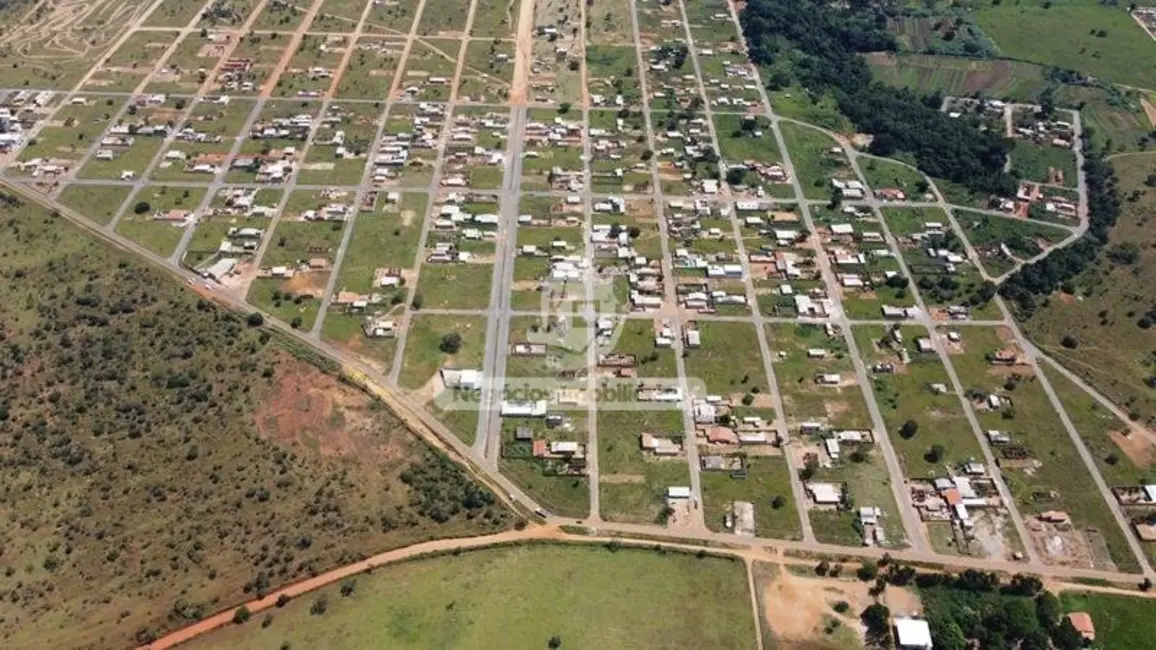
(819, 45)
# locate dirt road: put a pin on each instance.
(524, 54)
(336, 575)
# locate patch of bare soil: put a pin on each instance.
(1149, 110)
(307, 283)
(797, 608)
(1138, 448)
(308, 408)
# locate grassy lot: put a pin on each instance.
(386, 238)
(423, 354)
(815, 163)
(803, 400)
(371, 69)
(159, 236)
(440, 16)
(1035, 162)
(455, 286)
(767, 478)
(882, 173)
(1083, 35)
(633, 484)
(97, 202)
(728, 363)
(197, 419)
(496, 19)
(1057, 480)
(173, 13)
(637, 338)
(1113, 352)
(446, 605)
(905, 396)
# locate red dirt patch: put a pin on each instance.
(308, 408)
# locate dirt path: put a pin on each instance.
(353, 37)
(523, 53)
(404, 58)
(290, 50)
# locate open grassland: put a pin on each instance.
(1084, 35)
(164, 459)
(1108, 322)
(509, 598)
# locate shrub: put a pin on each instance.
(241, 615)
(142, 207)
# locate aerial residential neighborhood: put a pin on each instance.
(833, 314)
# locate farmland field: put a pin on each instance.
(955, 76)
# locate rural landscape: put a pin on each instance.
(489, 323)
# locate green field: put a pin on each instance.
(509, 598)
(1122, 623)
(1036, 162)
(1084, 35)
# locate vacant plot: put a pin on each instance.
(174, 13)
(728, 363)
(157, 216)
(429, 70)
(198, 421)
(1109, 323)
(424, 353)
(817, 157)
(1082, 35)
(633, 483)
(884, 174)
(1044, 163)
(495, 19)
(443, 18)
(305, 251)
(97, 202)
(371, 69)
(711, 603)
(766, 484)
(957, 76)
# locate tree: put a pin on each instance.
(842, 606)
(255, 319)
(554, 642)
(907, 431)
(1066, 637)
(296, 323)
(1146, 584)
(778, 502)
(282, 600)
(417, 302)
(1048, 610)
(735, 175)
(320, 605)
(877, 619)
(1024, 585)
(564, 108)
(935, 454)
(241, 615)
(1069, 342)
(822, 568)
(142, 207)
(451, 343)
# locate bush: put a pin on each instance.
(554, 642)
(142, 207)
(348, 586)
(451, 343)
(282, 600)
(319, 606)
(241, 615)
(842, 606)
(908, 430)
(255, 320)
